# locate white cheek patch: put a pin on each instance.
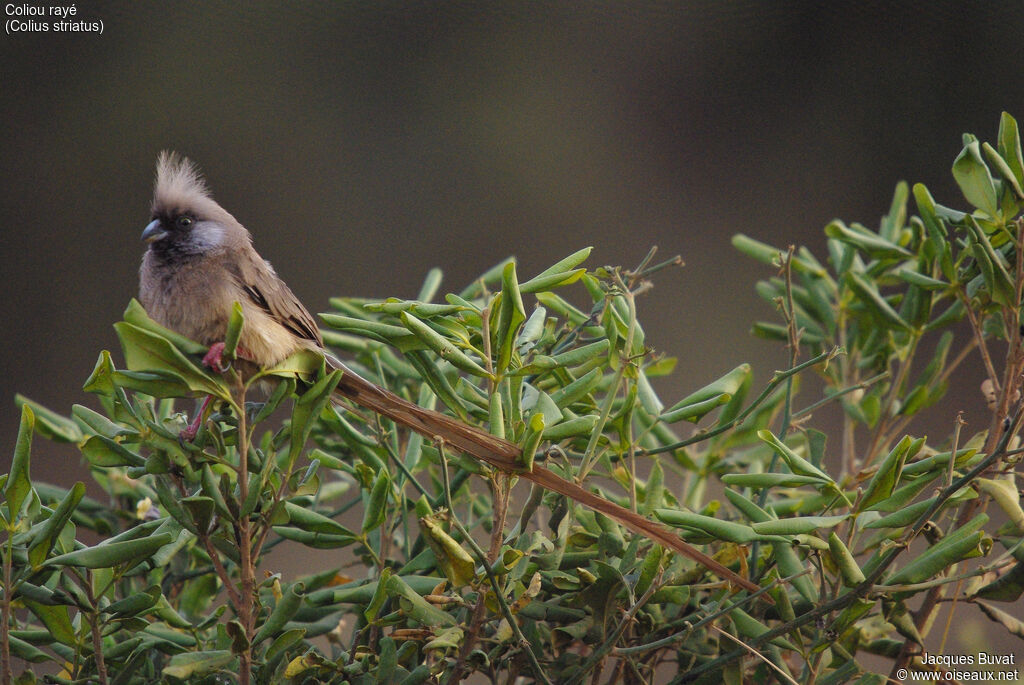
(207, 235)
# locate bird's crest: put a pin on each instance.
(179, 184)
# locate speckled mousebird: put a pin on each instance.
(200, 261)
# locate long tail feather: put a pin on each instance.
(505, 456)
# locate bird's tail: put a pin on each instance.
(506, 456)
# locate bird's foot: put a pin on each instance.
(214, 358)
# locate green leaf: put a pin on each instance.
(428, 291)
(455, 561)
(107, 555)
(582, 354)
(283, 642)
(194, 664)
(797, 526)
(287, 607)
(57, 621)
(581, 425)
(762, 252)
(560, 268)
(867, 293)
(992, 266)
(101, 380)
(23, 650)
(1009, 147)
(975, 181)
(442, 346)
(154, 383)
(146, 351)
(1007, 587)
(510, 315)
(49, 423)
(870, 243)
(1013, 625)
(953, 548)
(555, 280)
(848, 568)
(1005, 494)
(796, 463)
(100, 450)
(531, 439)
(376, 506)
(200, 510)
(94, 422)
(694, 406)
(315, 540)
(307, 519)
(884, 481)
(44, 540)
(417, 607)
(19, 483)
(306, 409)
(133, 605)
(729, 531)
(1003, 168)
(234, 331)
(578, 389)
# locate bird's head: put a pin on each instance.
(186, 222)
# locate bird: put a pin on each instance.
(200, 260)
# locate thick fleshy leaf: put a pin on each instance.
(306, 409)
(455, 561)
(147, 351)
(796, 463)
(376, 506)
(975, 181)
(49, 423)
(1009, 147)
(100, 450)
(307, 519)
(112, 553)
(441, 345)
(868, 241)
(797, 525)
(694, 406)
(884, 481)
(194, 664)
(286, 608)
(44, 540)
(417, 607)
(19, 483)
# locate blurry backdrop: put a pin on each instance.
(364, 143)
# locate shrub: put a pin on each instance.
(460, 574)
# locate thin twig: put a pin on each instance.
(245, 608)
(5, 611)
(762, 657)
(499, 596)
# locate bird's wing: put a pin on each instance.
(263, 287)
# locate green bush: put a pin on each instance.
(459, 574)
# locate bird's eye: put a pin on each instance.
(184, 221)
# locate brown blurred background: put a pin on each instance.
(364, 143)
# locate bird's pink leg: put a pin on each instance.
(213, 358)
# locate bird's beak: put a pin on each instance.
(154, 231)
